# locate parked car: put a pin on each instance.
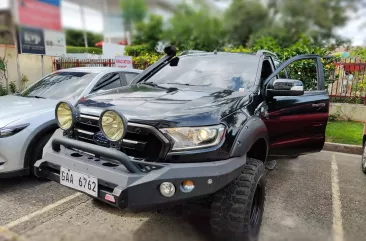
(363, 160)
(27, 120)
(197, 125)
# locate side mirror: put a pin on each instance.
(285, 87)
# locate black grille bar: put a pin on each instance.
(141, 141)
(97, 150)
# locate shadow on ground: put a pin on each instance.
(11, 184)
(176, 223)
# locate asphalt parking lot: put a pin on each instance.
(314, 197)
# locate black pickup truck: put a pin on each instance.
(200, 125)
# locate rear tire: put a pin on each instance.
(38, 151)
(363, 160)
(237, 209)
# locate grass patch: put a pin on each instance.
(345, 132)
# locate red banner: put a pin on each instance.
(39, 14)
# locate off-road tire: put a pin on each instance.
(37, 152)
(231, 207)
(363, 160)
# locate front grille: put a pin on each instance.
(140, 141)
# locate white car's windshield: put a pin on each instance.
(60, 85)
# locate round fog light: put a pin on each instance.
(187, 186)
(167, 189)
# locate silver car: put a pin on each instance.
(27, 120)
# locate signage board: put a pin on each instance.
(45, 14)
(124, 62)
(31, 41)
(55, 43)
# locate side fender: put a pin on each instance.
(33, 138)
(253, 130)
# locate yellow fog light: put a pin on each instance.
(187, 186)
(64, 115)
(113, 125)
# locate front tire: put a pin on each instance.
(38, 151)
(363, 160)
(237, 209)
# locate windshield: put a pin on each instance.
(61, 85)
(234, 71)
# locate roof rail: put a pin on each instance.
(262, 51)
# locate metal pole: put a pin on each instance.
(105, 11)
(15, 40)
(83, 23)
(42, 65)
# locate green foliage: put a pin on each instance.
(90, 50)
(195, 29)
(286, 20)
(24, 81)
(244, 18)
(76, 38)
(12, 87)
(138, 50)
(359, 52)
(2, 65)
(150, 32)
(143, 61)
(3, 90)
(133, 11)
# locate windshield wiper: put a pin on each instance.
(35, 96)
(170, 89)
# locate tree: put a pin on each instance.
(287, 20)
(150, 32)
(133, 11)
(194, 29)
(244, 18)
(76, 38)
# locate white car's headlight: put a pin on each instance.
(186, 138)
(12, 130)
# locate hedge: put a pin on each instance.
(90, 50)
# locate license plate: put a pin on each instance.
(79, 181)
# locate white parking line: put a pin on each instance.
(337, 205)
(41, 211)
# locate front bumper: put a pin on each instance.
(133, 184)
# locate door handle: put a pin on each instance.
(318, 105)
(317, 125)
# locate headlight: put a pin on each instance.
(11, 130)
(113, 125)
(66, 115)
(195, 137)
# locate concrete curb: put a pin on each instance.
(351, 149)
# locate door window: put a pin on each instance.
(129, 77)
(109, 81)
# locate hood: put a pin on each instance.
(187, 106)
(13, 108)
